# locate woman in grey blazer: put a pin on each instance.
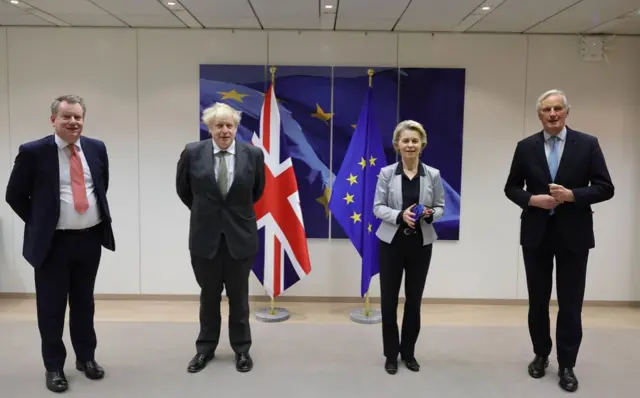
(409, 198)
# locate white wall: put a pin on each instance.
(142, 92)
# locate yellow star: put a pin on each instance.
(356, 217)
(369, 228)
(322, 115)
(324, 200)
(233, 94)
(372, 161)
(363, 163)
(352, 179)
(348, 198)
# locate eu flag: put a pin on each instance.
(354, 189)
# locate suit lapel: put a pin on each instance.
(91, 158)
(241, 159)
(541, 156)
(567, 153)
(397, 188)
(53, 165)
(209, 164)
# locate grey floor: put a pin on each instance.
(328, 360)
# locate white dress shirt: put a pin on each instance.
(69, 217)
(229, 159)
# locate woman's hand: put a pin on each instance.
(408, 215)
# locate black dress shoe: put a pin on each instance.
(391, 366)
(568, 380)
(199, 362)
(537, 366)
(91, 369)
(411, 364)
(56, 381)
(244, 363)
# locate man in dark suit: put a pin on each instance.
(58, 187)
(565, 173)
(219, 180)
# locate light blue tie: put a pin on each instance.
(552, 160)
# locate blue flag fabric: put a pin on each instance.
(354, 189)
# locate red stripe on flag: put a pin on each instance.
(277, 266)
(266, 121)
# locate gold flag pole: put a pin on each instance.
(367, 304)
(368, 316)
(272, 314)
(273, 69)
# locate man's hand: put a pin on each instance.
(561, 193)
(544, 201)
(408, 215)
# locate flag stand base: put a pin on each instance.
(272, 314)
(361, 316)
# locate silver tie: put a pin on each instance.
(223, 173)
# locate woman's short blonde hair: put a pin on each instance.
(220, 109)
(409, 125)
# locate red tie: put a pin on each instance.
(80, 201)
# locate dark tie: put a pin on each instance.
(223, 177)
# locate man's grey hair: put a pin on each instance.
(548, 94)
(69, 99)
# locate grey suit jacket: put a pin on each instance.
(387, 203)
(212, 214)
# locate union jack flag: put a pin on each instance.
(283, 258)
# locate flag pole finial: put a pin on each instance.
(370, 72)
(273, 74)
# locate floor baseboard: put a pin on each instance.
(328, 300)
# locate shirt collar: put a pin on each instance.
(399, 169)
(562, 136)
(62, 144)
(231, 149)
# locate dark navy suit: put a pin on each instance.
(65, 261)
(566, 234)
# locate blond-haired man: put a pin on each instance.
(219, 180)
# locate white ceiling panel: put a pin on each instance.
(369, 14)
(626, 25)
(10, 15)
(132, 7)
(103, 19)
(222, 13)
(151, 20)
(506, 16)
(55, 7)
(585, 15)
(436, 15)
(519, 15)
(7, 10)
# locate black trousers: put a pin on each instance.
(571, 272)
(405, 255)
(68, 273)
(212, 276)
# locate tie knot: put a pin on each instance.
(72, 148)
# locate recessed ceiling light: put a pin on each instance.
(328, 6)
(171, 3)
(14, 1)
(486, 8)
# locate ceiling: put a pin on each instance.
(473, 16)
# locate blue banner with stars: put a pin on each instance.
(320, 106)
